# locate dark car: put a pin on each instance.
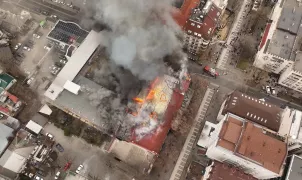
(59, 147)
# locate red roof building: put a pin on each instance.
(199, 20)
(155, 111)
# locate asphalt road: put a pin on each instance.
(35, 5)
(232, 84)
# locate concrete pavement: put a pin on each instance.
(192, 136)
(236, 28)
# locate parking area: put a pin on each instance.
(96, 162)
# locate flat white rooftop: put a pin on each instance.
(74, 64)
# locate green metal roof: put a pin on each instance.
(5, 79)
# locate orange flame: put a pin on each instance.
(150, 95)
(138, 100)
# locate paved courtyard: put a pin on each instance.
(96, 162)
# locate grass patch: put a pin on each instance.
(243, 65)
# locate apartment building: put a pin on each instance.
(281, 38)
(199, 20)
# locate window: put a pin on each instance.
(192, 24)
(199, 35)
(198, 26)
(189, 31)
(195, 33)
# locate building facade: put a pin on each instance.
(292, 77)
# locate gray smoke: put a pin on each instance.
(142, 34)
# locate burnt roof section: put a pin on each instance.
(68, 32)
(252, 143)
(253, 109)
(227, 172)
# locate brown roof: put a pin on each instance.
(227, 172)
(253, 109)
(252, 143)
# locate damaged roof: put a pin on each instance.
(253, 109)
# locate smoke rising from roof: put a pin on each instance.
(142, 34)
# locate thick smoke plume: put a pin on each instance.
(142, 34)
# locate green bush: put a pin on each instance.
(67, 131)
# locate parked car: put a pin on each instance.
(45, 13)
(17, 46)
(63, 61)
(26, 48)
(79, 168)
(36, 36)
(57, 175)
(47, 48)
(50, 136)
(59, 147)
(38, 178)
(273, 91)
(41, 173)
(29, 81)
(267, 89)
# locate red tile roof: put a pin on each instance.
(184, 12)
(154, 141)
(207, 25)
(250, 142)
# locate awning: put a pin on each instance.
(34, 127)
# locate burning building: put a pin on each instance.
(148, 121)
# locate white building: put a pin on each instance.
(245, 145)
(292, 77)
(281, 38)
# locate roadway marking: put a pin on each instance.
(191, 139)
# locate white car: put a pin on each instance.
(28, 82)
(47, 48)
(49, 135)
(17, 46)
(273, 91)
(79, 168)
(63, 61)
(36, 36)
(38, 178)
(57, 175)
(26, 48)
(268, 89)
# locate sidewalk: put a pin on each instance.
(179, 168)
(236, 28)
